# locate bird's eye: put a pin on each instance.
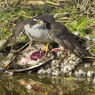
(37, 22)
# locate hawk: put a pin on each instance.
(45, 29)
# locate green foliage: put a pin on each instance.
(80, 24)
(92, 50)
(9, 18)
(93, 21)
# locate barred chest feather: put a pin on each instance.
(38, 34)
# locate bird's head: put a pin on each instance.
(38, 23)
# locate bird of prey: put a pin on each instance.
(45, 29)
(20, 28)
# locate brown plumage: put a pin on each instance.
(57, 32)
(20, 28)
(16, 31)
(66, 39)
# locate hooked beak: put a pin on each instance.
(43, 24)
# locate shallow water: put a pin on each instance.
(33, 84)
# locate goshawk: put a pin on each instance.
(45, 29)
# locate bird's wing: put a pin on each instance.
(16, 31)
(66, 39)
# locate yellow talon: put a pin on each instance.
(46, 48)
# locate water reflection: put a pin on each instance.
(33, 84)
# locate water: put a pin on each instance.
(33, 84)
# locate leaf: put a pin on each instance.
(4, 15)
(93, 21)
(74, 25)
(27, 11)
(80, 24)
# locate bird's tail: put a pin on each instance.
(80, 51)
(76, 48)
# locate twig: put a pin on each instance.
(14, 53)
(90, 57)
(22, 46)
(4, 86)
(55, 4)
(4, 5)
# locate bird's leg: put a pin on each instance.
(30, 37)
(23, 46)
(46, 48)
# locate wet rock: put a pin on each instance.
(87, 65)
(90, 73)
(58, 63)
(48, 71)
(55, 72)
(29, 87)
(82, 73)
(41, 71)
